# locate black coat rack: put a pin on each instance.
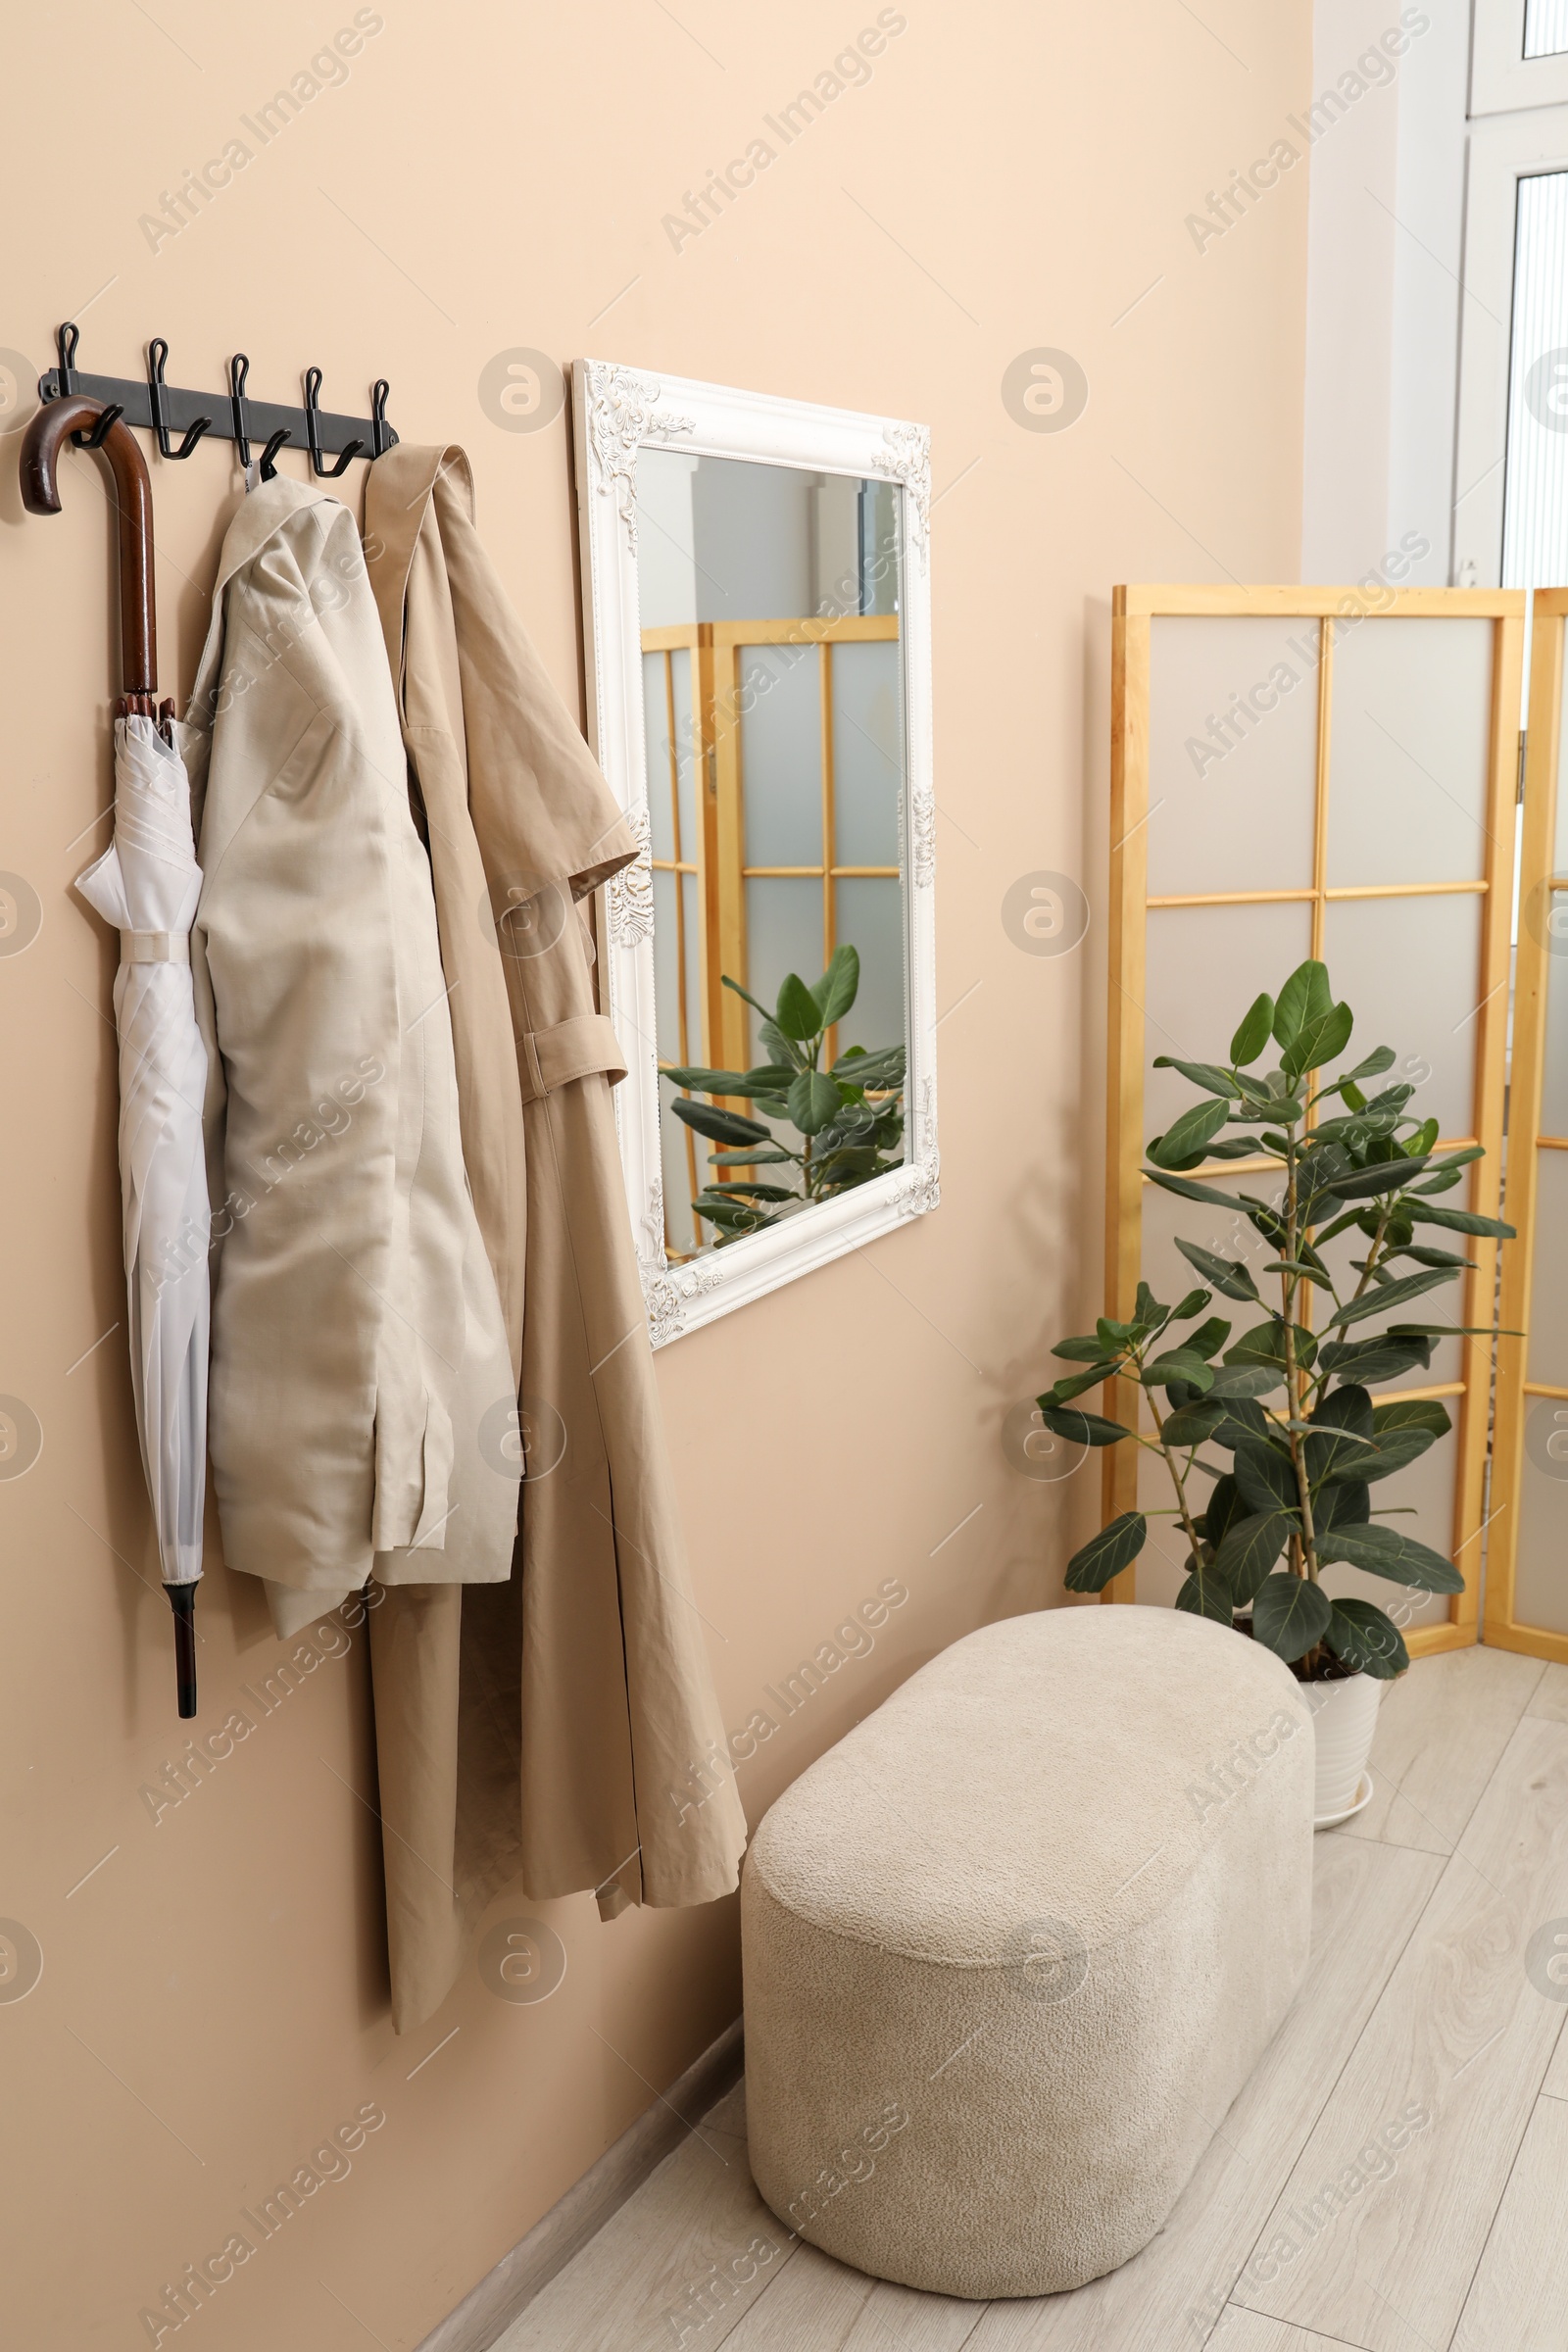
(165, 409)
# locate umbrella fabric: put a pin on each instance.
(357, 1340)
(549, 1730)
(147, 883)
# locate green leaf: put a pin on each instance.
(754, 1192)
(1106, 1555)
(1395, 1451)
(1081, 1351)
(1346, 1503)
(1291, 1615)
(1385, 1295)
(1257, 1026)
(1267, 1220)
(1193, 1303)
(1461, 1158)
(1361, 1636)
(1250, 1549)
(1227, 1274)
(1176, 1365)
(1194, 1423)
(1463, 1220)
(720, 1126)
(1148, 1313)
(710, 1082)
(813, 1099)
(876, 1071)
(1210, 1337)
(1380, 1059)
(838, 987)
(1342, 1434)
(1382, 1176)
(1318, 1040)
(1243, 1418)
(1412, 1412)
(1206, 1595)
(1381, 1357)
(1061, 1392)
(1264, 1344)
(1305, 996)
(747, 1157)
(795, 1015)
(1225, 1506)
(732, 1216)
(1264, 1478)
(1387, 1553)
(1184, 1146)
(1084, 1429)
(1190, 1190)
(774, 1041)
(1246, 1380)
(1206, 1074)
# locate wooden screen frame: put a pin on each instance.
(731, 638)
(1515, 1390)
(1133, 611)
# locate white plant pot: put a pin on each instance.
(1345, 1718)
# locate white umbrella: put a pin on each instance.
(147, 883)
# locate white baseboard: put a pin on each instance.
(489, 2309)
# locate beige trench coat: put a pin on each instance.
(548, 1732)
(358, 1335)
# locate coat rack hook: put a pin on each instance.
(100, 431)
(239, 369)
(67, 337)
(274, 443)
(157, 353)
(380, 439)
(313, 392)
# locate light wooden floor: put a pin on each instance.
(1417, 1995)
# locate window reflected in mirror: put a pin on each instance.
(774, 735)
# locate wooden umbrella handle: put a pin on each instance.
(53, 422)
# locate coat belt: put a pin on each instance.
(155, 947)
(575, 1048)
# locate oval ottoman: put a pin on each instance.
(1012, 1947)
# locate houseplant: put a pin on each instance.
(848, 1119)
(1289, 1401)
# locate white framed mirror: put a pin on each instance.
(757, 600)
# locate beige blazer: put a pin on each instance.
(358, 1338)
(552, 1734)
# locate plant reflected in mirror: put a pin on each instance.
(846, 1120)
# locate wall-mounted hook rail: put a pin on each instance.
(313, 392)
(157, 353)
(232, 416)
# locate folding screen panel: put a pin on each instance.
(1527, 1559)
(1328, 772)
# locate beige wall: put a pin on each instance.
(213, 2000)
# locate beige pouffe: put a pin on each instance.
(1012, 1947)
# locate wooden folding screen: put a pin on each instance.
(1527, 1554)
(1331, 772)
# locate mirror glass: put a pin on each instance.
(773, 705)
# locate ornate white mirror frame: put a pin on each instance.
(619, 411)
